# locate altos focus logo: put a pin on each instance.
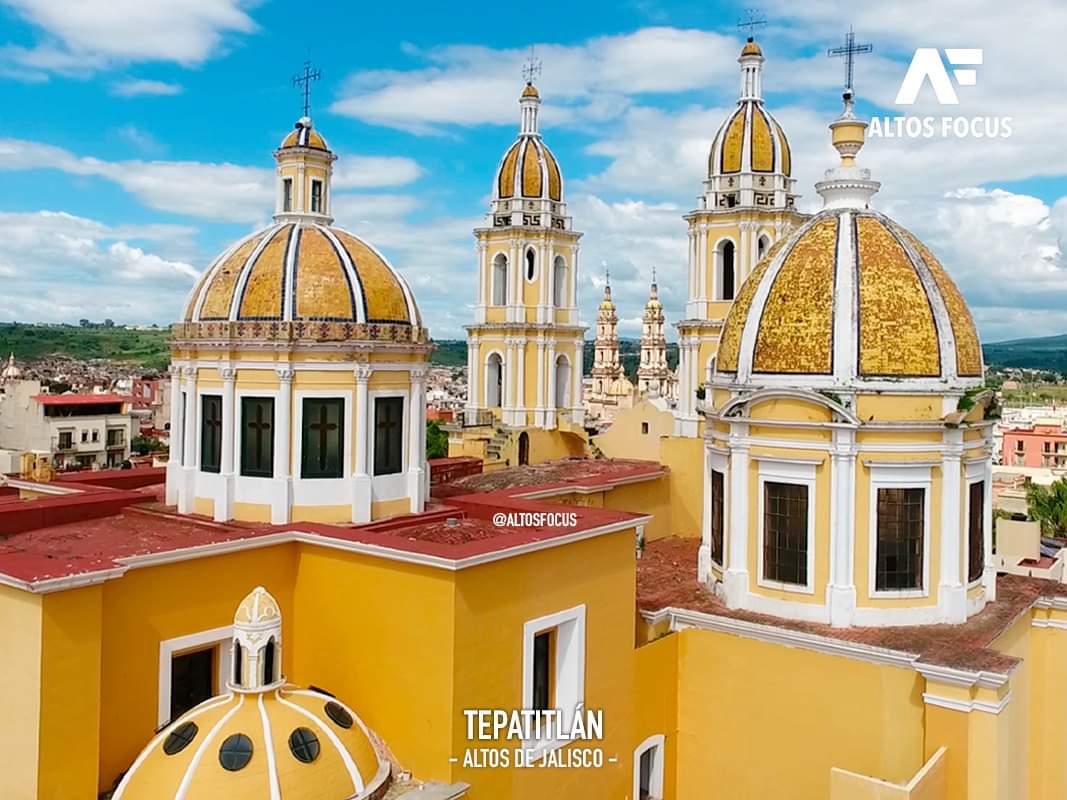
(928, 69)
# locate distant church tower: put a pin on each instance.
(653, 374)
(606, 367)
(524, 352)
(747, 206)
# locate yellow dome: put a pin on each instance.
(290, 743)
(751, 48)
(302, 279)
(257, 607)
(751, 140)
(888, 313)
(530, 91)
(530, 171)
(304, 135)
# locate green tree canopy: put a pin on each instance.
(1048, 506)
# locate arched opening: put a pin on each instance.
(726, 270)
(268, 662)
(524, 448)
(494, 380)
(500, 280)
(563, 382)
(237, 658)
(559, 282)
(762, 246)
(531, 264)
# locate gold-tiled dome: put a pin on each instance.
(305, 279)
(530, 91)
(887, 312)
(750, 140)
(751, 48)
(530, 171)
(304, 135)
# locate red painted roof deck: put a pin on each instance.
(550, 477)
(80, 399)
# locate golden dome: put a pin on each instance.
(751, 48)
(530, 171)
(287, 742)
(889, 312)
(304, 135)
(530, 91)
(751, 140)
(302, 279)
(258, 606)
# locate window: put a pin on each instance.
(494, 381)
(500, 280)
(899, 557)
(542, 675)
(235, 752)
(115, 437)
(644, 427)
(287, 194)
(322, 453)
(531, 265)
(316, 197)
(388, 435)
(785, 532)
(269, 675)
(210, 432)
(192, 680)
(237, 663)
(85, 436)
(96, 436)
(304, 745)
(648, 769)
(257, 437)
(559, 282)
(727, 274)
(975, 531)
(717, 516)
(66, 440)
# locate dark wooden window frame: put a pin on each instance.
(900, 532)
(787, 533)
(311, 424)
(975, 530)
(718, 515)
(386, 461)
(210, 433)
(263, 467)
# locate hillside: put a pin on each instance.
(1044, 353)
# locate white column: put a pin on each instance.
(550, 402)
(952, 591)
(508, 400)
(520, 382)
(416, 439)
(224, 501)
(702, 275)
(572, 290)
(842, 528)
(514, 280)
(736, 575)
(544, 275)
(177, 441)
(473, 369)
(361, 481)
(704, 555)
(539, 412)
(191, 427)
(484, 289)
(989, 574)
(281, 500)
(577, 406)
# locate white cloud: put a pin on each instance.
(80, 36)
(139, 87)
(223, 192)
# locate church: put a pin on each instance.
(772, 577)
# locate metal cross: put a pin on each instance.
(324, 428)
(531, 68)
(849, 52)
(653, 274)
(753, 21)
(306, 79)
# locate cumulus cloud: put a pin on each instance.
(139, 88)
(81, 36)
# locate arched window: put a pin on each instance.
(762, 246)
(531, 264)
(500, 280)
(493, 382)
(237, 663)
(524, 448)
(726, 270)
(268, 662)
(559, 282)
(563, 382)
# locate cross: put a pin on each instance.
(323, 426)
(754, 20)
(260, 426)
(849, 51)
(653, 274)
(306, 79)
(607, 276)
(531, 68)
(214, 424)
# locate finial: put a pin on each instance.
(303, 82)
(752, 21)
(531, 68)
(653, 274)
(849, 51)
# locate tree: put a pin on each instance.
(143, 445)
(436, 440)
(1048, 506)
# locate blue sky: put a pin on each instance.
(138, 136)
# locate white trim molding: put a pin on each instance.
(655, 784)
(569, 672)
(215, 638)
(799, 472)
(897, 475)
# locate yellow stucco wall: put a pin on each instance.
(684, 456)
(636, 432)
(20, 692)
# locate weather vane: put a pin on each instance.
(753, 20)
(531, 68)
(849, 52)
(303, 82)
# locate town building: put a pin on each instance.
(653, 375)
(609, 388)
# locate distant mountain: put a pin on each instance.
(1045, 353)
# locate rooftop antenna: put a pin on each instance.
(753, 19)
(849, 53)
(303, 82)
(531, 68)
